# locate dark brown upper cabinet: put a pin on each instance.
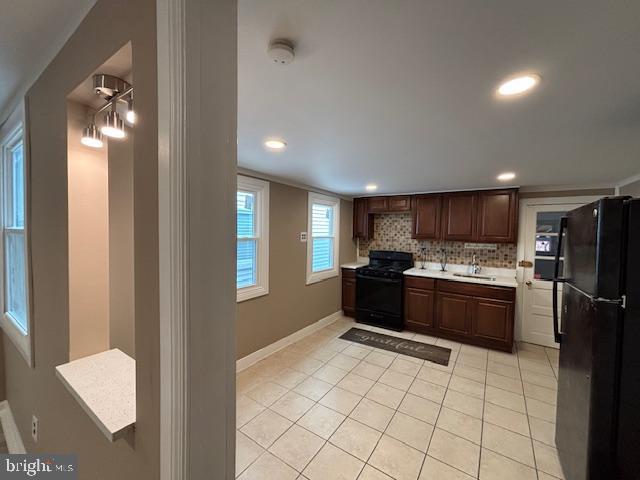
(378, 204)
(426, 210)
(460, 216)
(498, 216)
(489, 216)
(362, 221)
(400, 203)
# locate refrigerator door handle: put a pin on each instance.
(557, 335)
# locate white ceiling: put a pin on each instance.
(32, 32)
(400, 92)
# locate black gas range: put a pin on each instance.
(379, 298)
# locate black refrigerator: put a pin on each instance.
(598, 409)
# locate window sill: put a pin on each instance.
(320, 276)
(250, 292)
(104, 385)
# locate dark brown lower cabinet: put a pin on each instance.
(418, 309)
(349, 292)
(464, 312)
(454, 313)
(493, 320)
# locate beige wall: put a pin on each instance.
(64, 426)
(121, 281)
(87, 176)
(291, 304)
(632, 189)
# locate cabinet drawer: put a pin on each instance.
(348, 273)
(419, 282)
(475, 290)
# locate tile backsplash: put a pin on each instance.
(392, 231)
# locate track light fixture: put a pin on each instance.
(115, 91)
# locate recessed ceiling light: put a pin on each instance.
(505, 177)
(518, 84)
(275, 144)
(371, 187)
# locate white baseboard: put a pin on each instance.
(10, 429)
(263, 353)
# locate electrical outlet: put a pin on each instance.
(303, 237)
(34, 428)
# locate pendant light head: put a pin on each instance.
(131, 114)
(91, 136)
(113, 125)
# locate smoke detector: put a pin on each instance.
(281, 52)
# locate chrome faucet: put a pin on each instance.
(474, 267)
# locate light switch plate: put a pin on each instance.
(303, 237)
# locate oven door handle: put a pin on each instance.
(379, 279)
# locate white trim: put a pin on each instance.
(12, 133)
(314, 277)
(261, 190)
(10, 429)
(173, 247)
(255, 357)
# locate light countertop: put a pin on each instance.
(500, 281)
(360, 262)
(104, 385)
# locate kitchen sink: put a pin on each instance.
(471, 275)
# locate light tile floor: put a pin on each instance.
(327, 409)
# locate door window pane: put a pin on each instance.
(547, 245)
(543, 268)
(548, 222)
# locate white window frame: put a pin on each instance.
(21, 339)
(261, 190)
(334, 202)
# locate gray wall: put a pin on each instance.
(64, 426)
(291, 304)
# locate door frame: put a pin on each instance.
(196, 194)
(520, 248)
(172, 223)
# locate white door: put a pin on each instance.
(539, 239)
